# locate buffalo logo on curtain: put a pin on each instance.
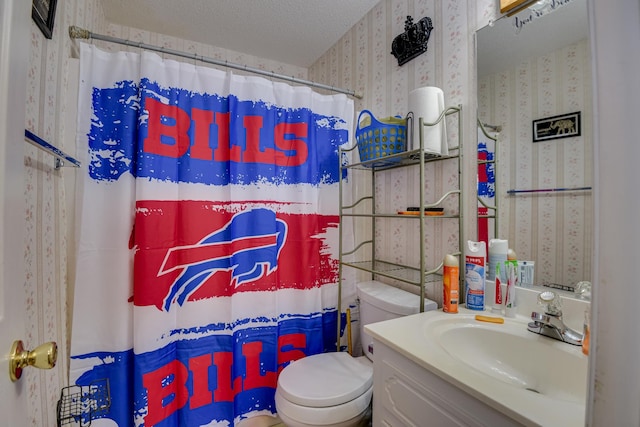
(207, 254)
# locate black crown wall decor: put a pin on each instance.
(413, 41)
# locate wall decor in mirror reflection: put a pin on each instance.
(561, 126)
(535, 10)
(539, 74)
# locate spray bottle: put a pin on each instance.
(450, 284)
(474, 274)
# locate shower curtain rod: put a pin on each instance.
(80, 33)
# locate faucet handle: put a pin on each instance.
(551, 302)
(583, 290)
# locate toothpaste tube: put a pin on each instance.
(510, 297)
(497, 302)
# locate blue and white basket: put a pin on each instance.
(378, 139)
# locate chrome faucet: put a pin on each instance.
(550, 323)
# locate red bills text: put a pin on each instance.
(167, 389)
(170, 122)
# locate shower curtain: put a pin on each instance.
(207, 238)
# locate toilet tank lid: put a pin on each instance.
(392, 299)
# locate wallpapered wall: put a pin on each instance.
(360, 60)
(554, 229)
(46, 245)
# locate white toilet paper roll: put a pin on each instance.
(428, 102)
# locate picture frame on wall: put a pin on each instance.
(555, 127)
(43, 12)
(509, 5)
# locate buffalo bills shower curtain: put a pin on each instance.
(207, 238)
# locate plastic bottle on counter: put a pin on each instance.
(498, 250)
(510, 294)
(474, 274)
(450, 284)
(586, 332)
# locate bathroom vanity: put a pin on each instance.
(405, 393)
(451, 369)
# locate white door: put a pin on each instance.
(15, 35)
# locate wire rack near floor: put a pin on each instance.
(78, 405)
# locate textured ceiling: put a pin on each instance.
(295, 32)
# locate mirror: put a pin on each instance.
(532, 67)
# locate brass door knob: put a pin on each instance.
(42, 357)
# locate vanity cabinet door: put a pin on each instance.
(405, 394)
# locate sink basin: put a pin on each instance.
(511, 354)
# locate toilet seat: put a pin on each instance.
(326, 379)
(293, 414)
(324, 389)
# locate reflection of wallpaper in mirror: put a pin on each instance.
(552, 229)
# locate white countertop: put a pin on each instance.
(407, 335)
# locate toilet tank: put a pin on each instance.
(379, 301)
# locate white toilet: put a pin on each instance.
(334, 389)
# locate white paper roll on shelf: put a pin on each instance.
(428, 102)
